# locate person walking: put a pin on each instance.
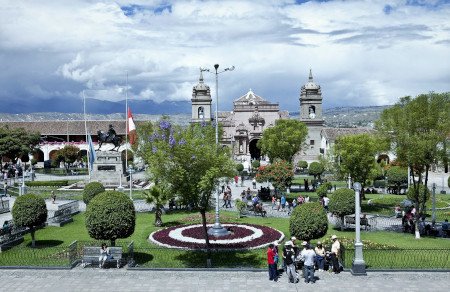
(320, 256)
(326, 201)
(229, 195)
(335, 253)
(254, 183)
(283, 202)
(308, 256)
(271, 263)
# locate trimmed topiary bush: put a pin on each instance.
(109, 216)
(397, 176)
(316, 169)
(29, 211)
(255, 164)
(308, 221)
(302, 164)
(91, 190)
(239, 167)
(342, 203)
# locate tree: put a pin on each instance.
(283, 140)
(29, 211)
(255, 164)
(397, 176)
(342, 203)
(17, 142)
(91, 190)
(68, 155)
(357, 156)
(239, 167)
(417, 129)
(159, 196)
(316, 169)
(308, 221)
(188, 162)
(422, 198)
(279, 173)
(109, 216)
(302, 164)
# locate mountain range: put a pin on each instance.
(179, 112)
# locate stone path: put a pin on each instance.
(124, 280)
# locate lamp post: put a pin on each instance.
(433, 214)
(349, 181)
(217, 230)
(131, 171)
(22, 188)
(358, 266)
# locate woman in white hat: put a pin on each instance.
(320, 256)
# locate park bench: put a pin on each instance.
(11, 236)
(362, 221)
(91, 256)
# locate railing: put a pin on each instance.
(401, 258)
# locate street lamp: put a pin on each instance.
(131, 171)
(217, 230)
(358, 266)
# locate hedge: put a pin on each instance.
(51, 183)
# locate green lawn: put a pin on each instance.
(52, 245)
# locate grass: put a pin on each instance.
(52, 245)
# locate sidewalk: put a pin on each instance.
(90, 279)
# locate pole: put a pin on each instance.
(217, 229)
(433, 216)
(358, 266)
(126, 126)
(216, 66)
(349, 182)
(85, 130)
(131, 183)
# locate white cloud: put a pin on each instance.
(357, 49)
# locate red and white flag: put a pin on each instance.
(131, 128)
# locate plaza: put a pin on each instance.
(201, 280)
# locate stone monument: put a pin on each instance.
(108, 168)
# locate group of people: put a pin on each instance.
(282, 204)
(306, 260)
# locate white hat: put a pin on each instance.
(288, 243)
(333, 236)
(304, 243)
(276, 243)
(293, 238)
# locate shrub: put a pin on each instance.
(308, 221)
(240, 206)
(397, 176)
(379, 184)
(342, 203)
(239, 167)
(322, 190)
(302, 164)
(91, 190)
(422, 198)
(29, 211)
(255, 164)
(109, 216)
(51, 183)
(316, 169)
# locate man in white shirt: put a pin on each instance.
(308, 256)
(326, 201)
(335, 253)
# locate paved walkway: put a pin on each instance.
(123, 280)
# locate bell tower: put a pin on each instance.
(201, 102)
(311, 115)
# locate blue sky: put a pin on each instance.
(361, 52)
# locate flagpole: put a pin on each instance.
(85, 130)
(126, 124)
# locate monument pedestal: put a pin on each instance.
(108, 168)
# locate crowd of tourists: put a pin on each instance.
(302, 262)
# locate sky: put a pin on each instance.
(360, 52)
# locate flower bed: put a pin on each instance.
(243, 236)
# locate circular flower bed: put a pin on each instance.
(242, 236)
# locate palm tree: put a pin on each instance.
(158, 196)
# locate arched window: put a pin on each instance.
(201, 113)
(312, 112)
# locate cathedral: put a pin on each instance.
(243, 127)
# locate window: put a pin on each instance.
(201, 113)
(311, 142)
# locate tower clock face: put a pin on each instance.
(312, 115)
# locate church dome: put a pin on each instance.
(201, 86)
(311, 85)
